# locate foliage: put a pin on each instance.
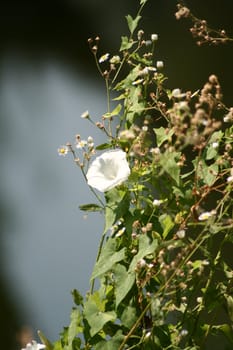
(164, 280)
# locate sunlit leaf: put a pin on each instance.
(146, 247)
(129, 316)
(124, 281)
(96, 317)
(103, 146)
(111, 344)
(162, 135)
(109, 256)
(74, 326)
(168, 161)
(126, 44)
(115, 112)
(132, 23)
(166, 223)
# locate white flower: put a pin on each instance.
(104, 58)
(108, 170)
(115, 59)
(157, 202)
(180, 234)
(34, 346)
(63, 150)
(154, 37)
(230, 178)
(159, 64)
(137, 82)
(85, 115)
(215, 144)
(81, 144)
(176, 92)
(206, 215)
(127, 135)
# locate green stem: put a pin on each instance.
(195, 245)
(130, 38)
(97, 258)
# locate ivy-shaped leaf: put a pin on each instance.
(145, 247)
(207, 173)
(126, 44)
(74, 327)
(109, 256)
(168, 161)
(117, 205)
(111, 344)
(166, 223)
(95, 315)
(124, 281)
(132, 23)
(163, 135)
(115, 112)
(129, 316)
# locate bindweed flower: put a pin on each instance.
(34, 346)
(108, 170)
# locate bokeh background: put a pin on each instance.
(47, 80)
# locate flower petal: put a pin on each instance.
(108, 170)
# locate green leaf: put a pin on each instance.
(211, 152)
(124, 281)
(111, 344)
(226, 329)
(95, 315)
(166, 223)
(129, 316)
(163, 135)
(115, 112)
(137, 105)
(229, 300)
(132, 23)
(90, 207)
(129, 79)
(78, 298)
(168, 161)
(145, 247)
(126, 44)
(117, 205)
(74, 326)
(45, 341)
(103, 146)
(109, 256)
(207, 173)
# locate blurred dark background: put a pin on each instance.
(47, 79)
